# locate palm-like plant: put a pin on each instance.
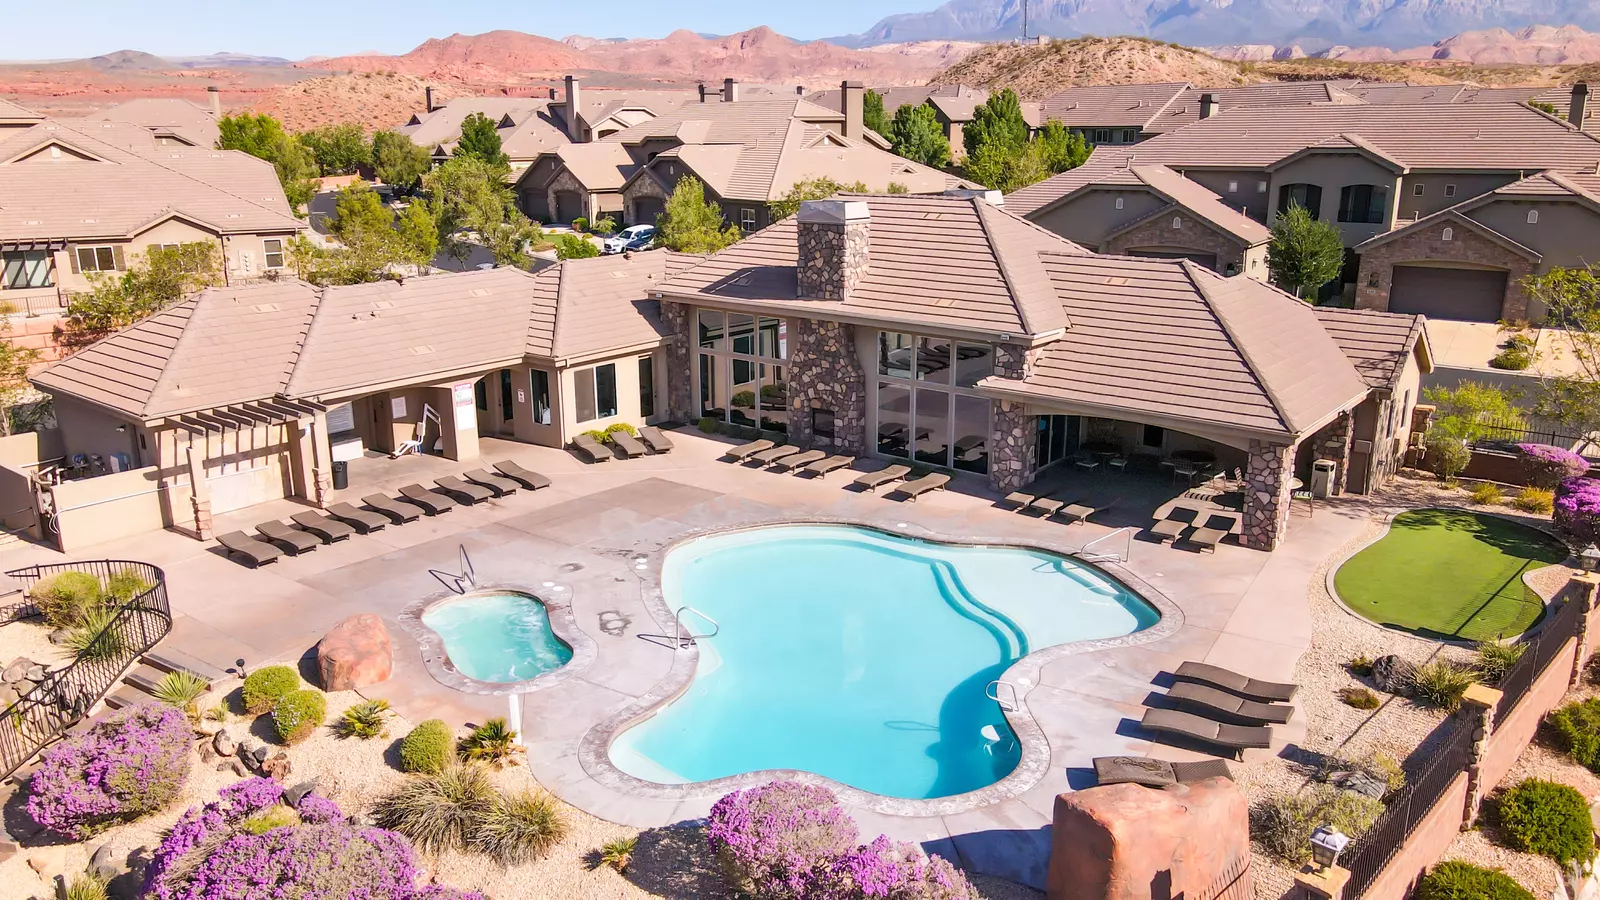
(181, 689)
(493, 741)
(364, 720)
(618, 853)
(95, 638)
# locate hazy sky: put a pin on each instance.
(299, 28)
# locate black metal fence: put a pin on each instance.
(65, 695)
(1506, 434)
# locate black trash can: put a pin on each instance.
(341, 475)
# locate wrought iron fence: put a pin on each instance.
(1506, 434)
(1542, 648)
(1367, 858)
(65, 695)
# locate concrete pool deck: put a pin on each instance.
(1242, 609)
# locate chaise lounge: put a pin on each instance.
(359, 519)
(1080, 512)
(500, 484)
(432, 501)
(1020, 500)
(1168, 530)
(737, 454)
(1226, 707)
(871, 481)
(292, 539)
(1206, 538)
(1237, 738)
(823, 466)
(526, 477)
(458, 489)
(799, 459)
(655, 440)
(628, 444)
(256, 550)
(1232, 682)
(911, 490)
(1156, 773)
(772, 455)
(399, 512)
(591, 449)
(322, 526)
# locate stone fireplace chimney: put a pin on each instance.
(574, 107)
(1209, 106)
(852, 102)
(730, 90)
(833, 244)
(1580, 104)
(214, 94)
(427, 99)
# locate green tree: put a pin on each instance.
(1571, 298)
(164, 276)
(872, 113)
(15, 361)
(263, 137)
(693, 224)
(1305, 254)
(1006, 168)
(374, 241)
(917, 135)
(810, 189)
(997, 122)
(338, 149)
(1061, 148)
(480, 138)
(573, 246)
(475, 205)
(398, 161)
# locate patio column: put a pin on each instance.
(458, 415)
(825, 374)
(311, 459)
(680, 362)
(1266, 505)
(1016, 447)
(1334, 442)
(199, 492)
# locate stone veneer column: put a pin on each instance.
(1333, 442)
(1478, 704)
(1013, 442)
(1266, 505)
(825, 373)
(833, 244)
(680, 362)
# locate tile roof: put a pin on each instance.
(744, 121)
(12, 112)
(598, 165)
(1105, 165)
(1185, 110)
(585, 307)
(1117, 105)
(1377, 343)
(1197, 200)
(189, 121)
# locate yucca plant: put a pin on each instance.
(364, 720)
(618, 853)
(86, 887)
(218, 714)
(1495, 659)
(181, 689)
(1441, 683)
(94, 638)
(493, 741)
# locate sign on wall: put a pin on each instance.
(397, 408)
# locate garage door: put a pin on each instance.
(567, 207)
(645, 210)
(1468, 295)
(1209, 260)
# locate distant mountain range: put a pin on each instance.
(138, 59)
(1311, 24)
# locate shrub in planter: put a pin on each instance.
(1577, 729)
(1464, 881)
(428, 748)
(623, 427)
(1493, 659)
(1283, 825)
(122, 768)
(1577, 510)
(780, 841)
(1535, 500)
(1547, 467)
(124, 585)
(707, 425)
(65, 599)
(298, 715)
(1546, 818)
(264, 687)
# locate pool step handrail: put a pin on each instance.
(685, 638)
(1085, 554)
(469, 575)
(462, 581)
(993, 693)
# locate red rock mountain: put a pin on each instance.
(495, 55)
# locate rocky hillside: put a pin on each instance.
(1538, 45)
(1035, 71)
(371, 99)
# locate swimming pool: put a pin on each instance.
(862, 656)
(498, 636)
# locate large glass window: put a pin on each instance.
(933, 360)
(894, 420)
(98, 259)
(933, 427)
(539, 387)
(26, 269)
(1307, 196)
(605, 389)
(774, 399)
(507, 405)
(583, 387)
(974, 362)
(741, 373)
(1057, 439)
(1364, 203)
(894, 354)
(971, 449)
(711, 329)
(647, 386)
(927, 408)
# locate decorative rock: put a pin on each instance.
(239, 769)
(48, 859)
(59, 636)
(207, 754)
(8, 695)
(209, 727)
(355, 654)
(277, 768)
(16, 670)
(227, 765)
(293, 795)
(104, 864)
(224, 744)
(260, 752)
(1392, 674)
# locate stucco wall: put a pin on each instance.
(627, 368)
(89, 431)
(1332, 172)
(1433, 199)
(1089, 217)
(112, 506)
(1239, 188)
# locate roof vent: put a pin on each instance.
(421, 350)
(481, 292)
(619, 274)
(382, 304)
(945, 302)
(235, 216)
(90, 221)
(1117, 280)
(33, 222)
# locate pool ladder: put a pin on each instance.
(461, 581)
(994, 690)
(1111, 555)
(683, 636)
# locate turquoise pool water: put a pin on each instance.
(501, 637)
(862, 656)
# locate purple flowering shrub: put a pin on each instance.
(1547, 467)
(788, 841)
(124, 767)
(1577, 510)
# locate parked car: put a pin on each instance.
(634, 237)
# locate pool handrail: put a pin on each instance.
(684, 639)
(1127, 533)
(993, 693)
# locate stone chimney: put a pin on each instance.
(852, 102)
(730, 91)
(1580, 104)
(1209, 106)
(703, 92)
(574, 107)
(833, 243)
(214, 94)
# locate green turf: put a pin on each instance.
(1449, 574)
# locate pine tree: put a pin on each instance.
(873, 114)
(917, 135)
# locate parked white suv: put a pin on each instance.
(634, 237)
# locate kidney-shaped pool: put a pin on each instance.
(862, 656)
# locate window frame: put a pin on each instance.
(647, 386)
(267, 254)
(539, 396)
(1286, 198)
(946, 394)
(747, 219)
(1375, 209)
(94, 256)
(1449, 190)
(45, 256)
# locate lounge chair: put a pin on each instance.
(1234, 683)
(460, 490)
(933, 481)
(323, 527)
(874, 480)
(528, 478)
(359, 519)
(1156, 773)
(655, 440)
(432, 501)
(628, 444)
(1207, 538)
(1168, 529)
(743, 450)
(292, 539)
(1080, 512)
(799, 459)
(771, 455)
(500, 484)
(1237, 738)
(1020, 500)
(256, 550)
(398, 511)
(823, 466)
(591, 449)
(1226, 707)
(1047, 505)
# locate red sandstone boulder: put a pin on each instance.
(1126, 842)
(356, 653)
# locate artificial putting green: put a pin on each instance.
(1449, 574)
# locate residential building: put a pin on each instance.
(953, 105)
(174, 122)
(1130, 113)
(13, 116)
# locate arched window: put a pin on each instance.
(1119, 203)
(1364, 203)
(1306, 196)
(1449, 234)
(1533, 217)
(1177, 222)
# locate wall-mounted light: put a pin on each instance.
(122, 429)
(1589, 558)
(1327, 842)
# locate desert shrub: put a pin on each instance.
(1283, 825)
(95, 637)
(1360, 664)
(1547, 467)
(65, 599)
(263, 688)
(218, 714)
(1385, 768)
(885, 868)
(580, 224)
(1577, 510)
(779, 841)
(707, 425)
(428, 748)
(1448, 454)
(439, 811)
(1487, 494)
(124, 585)
(364, 720)
(1546, 818)
(1516, 355)
(315, 810)
(618, 853)
(298, 715)
(493, 741)
(181, 689)
(599, 435)
(518, 828)
(1359, 697)
(1493, 659)
(604, 225)
(272, 817)
(623, 427)
(1441, 683)
(1577, 729)
(1455, 880)
(122, 768)
(87, 887)
(1535, 500)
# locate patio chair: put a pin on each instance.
(1237, 738)
(628, 444)
(655, 440)
(1049, 506)
(292, 539)
(1080, 512)
(1118, 463)
(528, 478)
(1087, 462)
(500, 484)
(874, 480)
(1226, 707)
(916, 487)
(323, 527)
(823, 466)
(771, 455)
(399, 512)
(1156, 773)
(459, 490)
(432, 501)
(591, 449)
(1206, 538)
(1234, 683)
(799, 459)
(1168, 530)
(1020, 500)
(359, 519)
(743, 450)
(256, 550)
